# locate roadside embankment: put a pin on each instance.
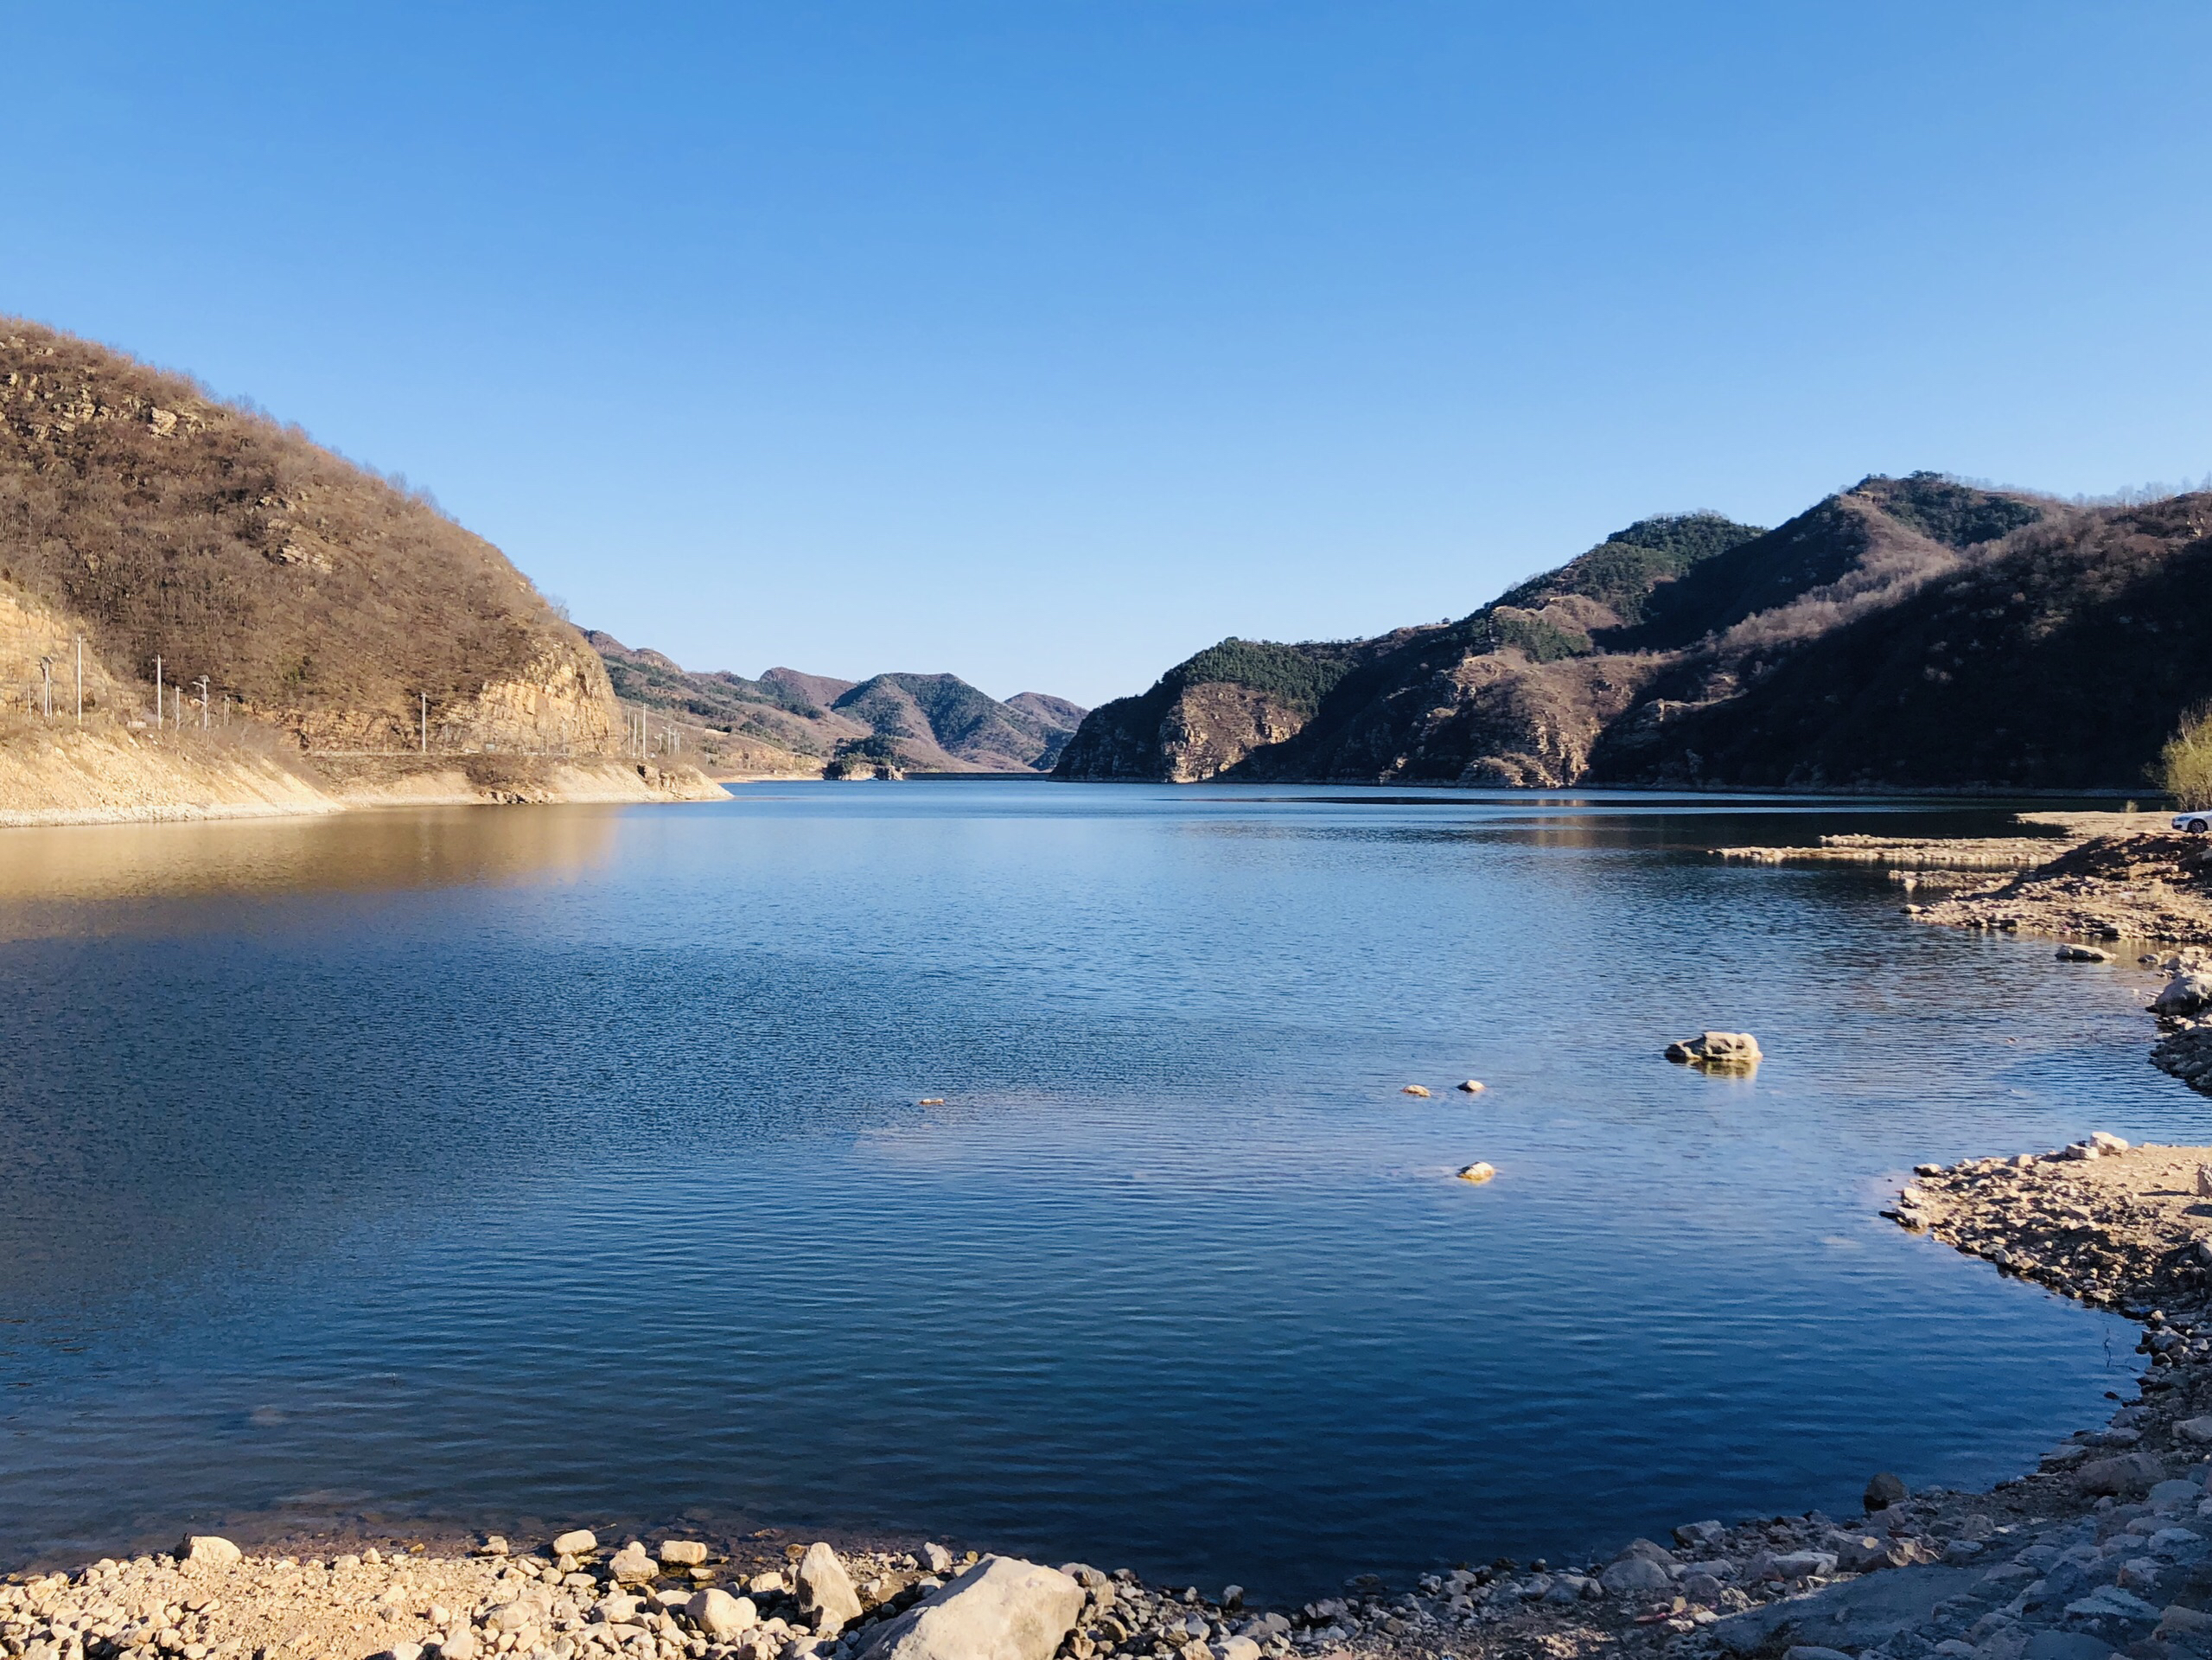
(108, 774)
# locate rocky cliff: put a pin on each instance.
(1908, 632)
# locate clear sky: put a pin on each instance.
(1047, 341)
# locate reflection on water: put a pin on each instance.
(569, 1162)
(50, 875)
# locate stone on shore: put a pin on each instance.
(1883, 1492)
(575, 1543)
(825, 1591)
(683, 1553)
(206, 1550)
(632, 1565)
(1001, 1609)
(1717, 1051)
(1634, 1576)
(2130, 1473)
(720, 1616)
(936, 1559)
(2196, 1430)
(2186, 994)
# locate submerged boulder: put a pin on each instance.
(1717, 1051)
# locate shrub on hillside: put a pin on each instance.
(2185, 764)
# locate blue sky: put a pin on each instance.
(1047, 342)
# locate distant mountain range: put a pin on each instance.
(1916, 632)
(927, 722)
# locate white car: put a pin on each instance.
(2196, 823)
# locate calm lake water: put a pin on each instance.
(565, 1164)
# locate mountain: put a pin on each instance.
(317, 600)
(1907, 632)
(789, 721)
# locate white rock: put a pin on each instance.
(1472, 1087)
(765, 1585)
(1236, 1648)
(632, 1565)
(1804, 1564)
(1001, 1609)
(825, 1591)
(936, 1559)
(2105, 1142)
(1477, 1173)
(206, 1550)
(2186, 994)
(682, 1553)
(581, 1541)
(720, 1616)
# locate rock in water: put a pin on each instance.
(2082, 954)
(1415, 1089)
(1001, 1609)
(825, 1594)
(1883, 1492)
(206, 1550)
(1717, 1051)
(1472, 1087)
(1477, 1173)
(720, 1616)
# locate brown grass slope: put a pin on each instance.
(2060, 656)
(315, 596)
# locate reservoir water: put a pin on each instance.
(565, 1164)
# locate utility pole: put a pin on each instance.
(80, 680)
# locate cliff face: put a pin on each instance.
(1912, 632)
(315, 598)
(1209, 712)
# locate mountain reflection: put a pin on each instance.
(44, 870)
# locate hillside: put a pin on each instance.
(1909, 632)
(2060, 657)
(317, 598)
(797, 722)
(1209, 712)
